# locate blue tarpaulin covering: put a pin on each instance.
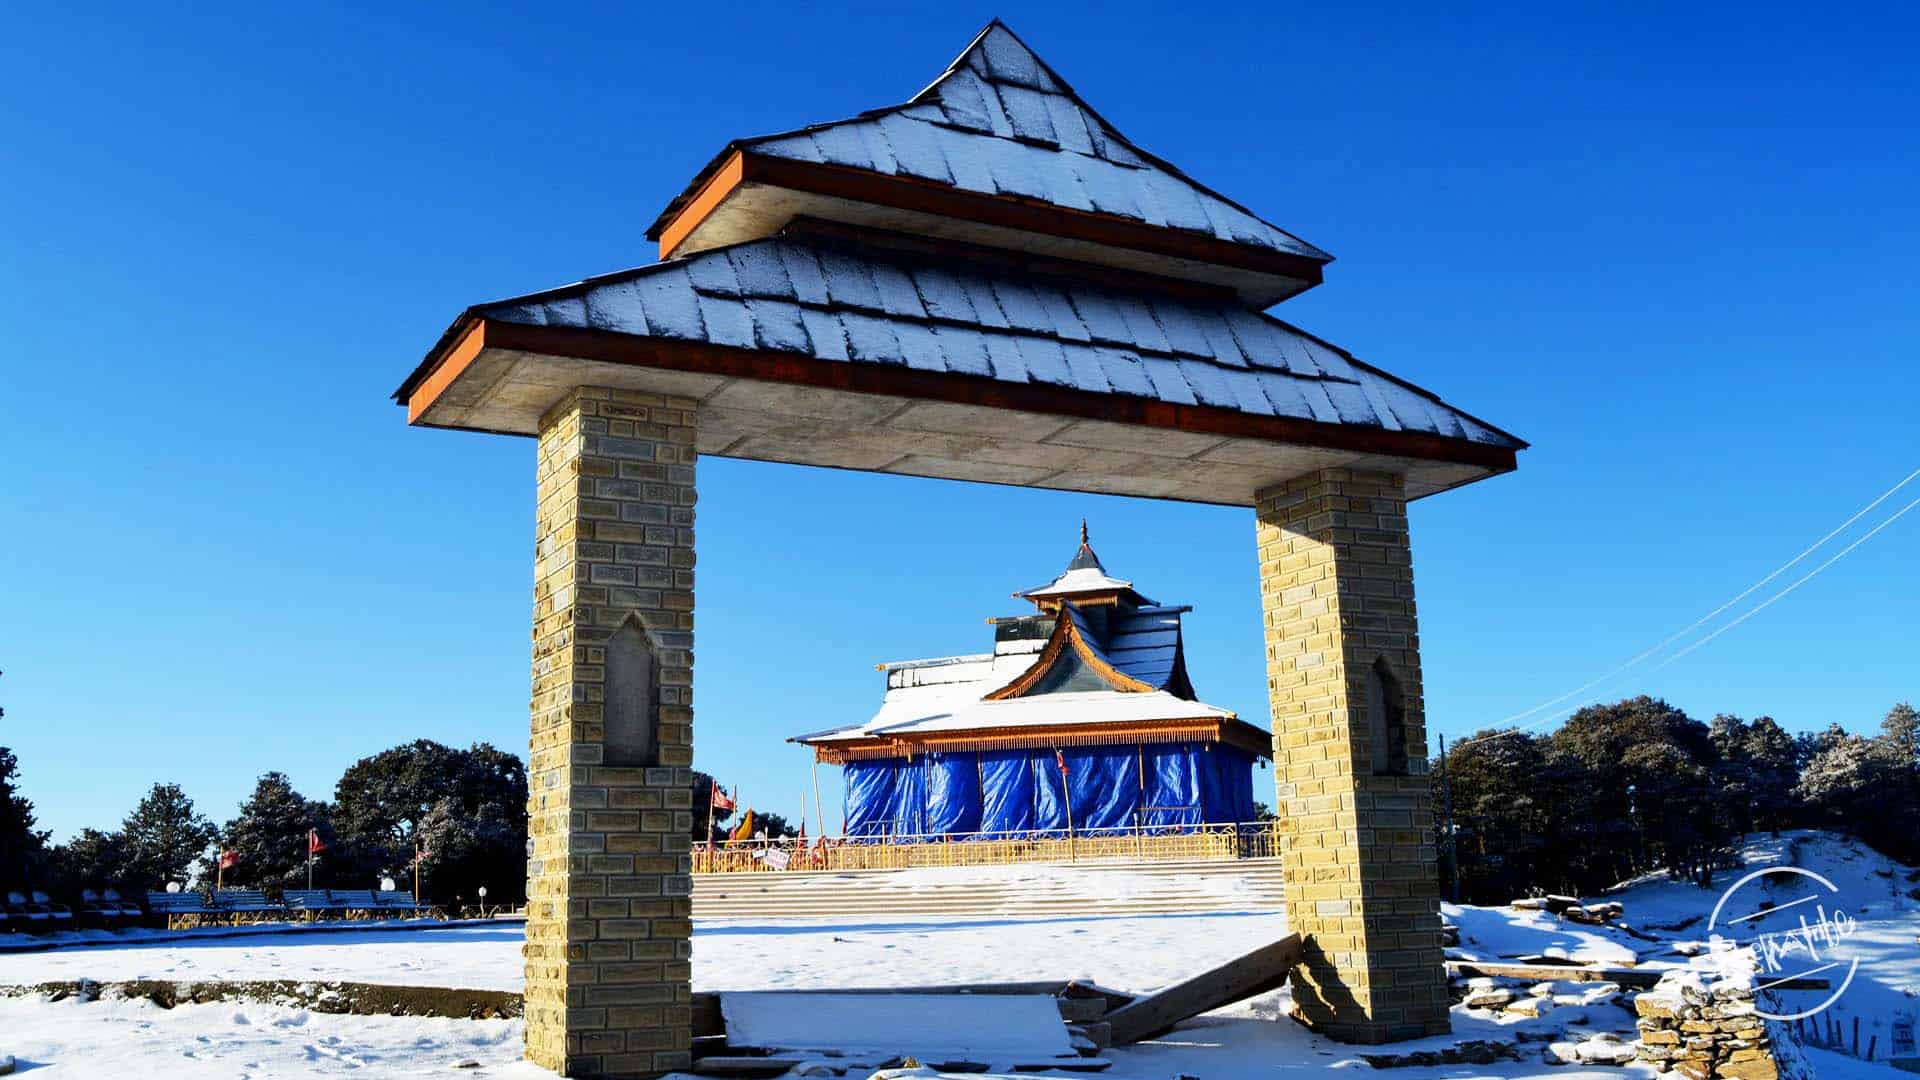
(995, 792)
(953, 793)
(1006, 791)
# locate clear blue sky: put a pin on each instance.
(1675, 249)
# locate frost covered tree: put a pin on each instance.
(164, 835)
(1844, 779)
(1901, 729)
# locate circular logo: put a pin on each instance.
(1802, 936)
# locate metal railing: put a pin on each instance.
(1169, 843)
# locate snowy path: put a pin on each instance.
(1129, 953)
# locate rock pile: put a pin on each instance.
(1703, 1027)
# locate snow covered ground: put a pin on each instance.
(1245, 1042)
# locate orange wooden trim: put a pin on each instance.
(1051, 601)
(1229, 732)
(1004, 211)
(1067, 632)
(723, 182)
(1056, 643)
(896, 381)
(456, 360)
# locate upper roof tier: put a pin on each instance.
(999, 150)
(1084, 577)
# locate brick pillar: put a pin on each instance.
(609, 911)
(1343, 666)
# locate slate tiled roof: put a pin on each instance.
(1145, 644)
(1084, 574)
(1000, 122)
(949, 693)
(840, 304)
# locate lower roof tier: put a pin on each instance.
(849, 351)
(1092, 718)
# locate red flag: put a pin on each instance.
(228, 859)
(1060, 760)
(420, 855)
(722, 800)
(314, 846)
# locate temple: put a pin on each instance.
(1081, 720)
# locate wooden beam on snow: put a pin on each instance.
(1263, 969)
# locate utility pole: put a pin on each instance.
(1446, 798)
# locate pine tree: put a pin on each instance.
(270, 837)
(1773, 764)
(23, 849)
(1901, 729)
(164, 835)
(92, 860)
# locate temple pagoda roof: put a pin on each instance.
(1084, 671)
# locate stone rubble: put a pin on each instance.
(1704, 1027)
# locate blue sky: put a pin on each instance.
(1675, 249)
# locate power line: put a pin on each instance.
(1810, 575)
(1709, 616)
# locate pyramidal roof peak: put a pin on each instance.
(996, 66)
(1084, 575)
(999, 150)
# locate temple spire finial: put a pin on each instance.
(1083, 530)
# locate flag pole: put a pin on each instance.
(819, 810)
(416, 872)
(712, 785)
(1066, 796)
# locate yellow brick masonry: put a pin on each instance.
(1362, 883)
(609, 917)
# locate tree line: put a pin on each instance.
(466, 809)
(1638, 786)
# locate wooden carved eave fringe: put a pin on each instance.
(1233, 733)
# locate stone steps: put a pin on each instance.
(1049, 890)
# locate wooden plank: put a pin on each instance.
(708, 1023)
(743, 1065)
(1637, 978)
(1261, 970)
